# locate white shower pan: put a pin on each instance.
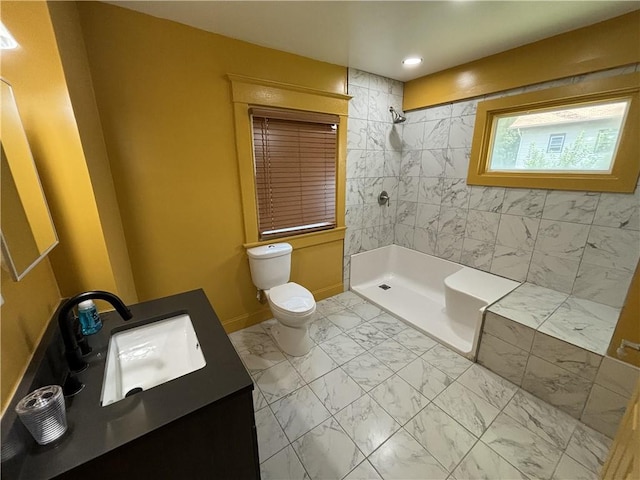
(443, 299)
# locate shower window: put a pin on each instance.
(578, 137)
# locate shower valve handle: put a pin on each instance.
(383, 198)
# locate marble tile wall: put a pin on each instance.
(583, 323)
(591, 387)
(374, 146)
(583, 243)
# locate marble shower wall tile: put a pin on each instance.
(455, 193)
(529, 305)
(557, 386)
(619, 210)
(583, 323)
(582, 243)
(488, 199)
(604, 410)
(378, 105)
(404, 236)
(359, 105)
(452, 221)
(374, 159)
(613, 248)
(377, 133)
(518, 231)
(524, 202)
(617, 376)
(602, 284)
(434, 162)
(430, 190)
(436, 133)
(412, 137)
(556, 273)
(461, 131)
(449, 247)
(565, 355)
(502, 358)
(511, 262)
(482, 226)
(477, 254)
(561, 239)
(508, 331)
(360, 78)
(457, 162)
(408, 189)
(578, 207)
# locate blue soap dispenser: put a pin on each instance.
(90, 321)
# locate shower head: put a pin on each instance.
(397, 117)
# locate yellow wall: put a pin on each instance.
(165, 105)
(81, 261)
(28, 306)
(66, 24)
(608, 44)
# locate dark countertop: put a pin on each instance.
(95, 430)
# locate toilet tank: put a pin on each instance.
(270, 265)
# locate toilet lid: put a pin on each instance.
(292, 298)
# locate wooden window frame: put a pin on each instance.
(624, 174)
(250, 93)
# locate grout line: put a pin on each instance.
(402, 426)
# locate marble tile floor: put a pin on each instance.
(375, 398)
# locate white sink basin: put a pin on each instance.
(150, 355)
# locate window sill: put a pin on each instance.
(305, 240)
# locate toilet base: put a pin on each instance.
(292, 341)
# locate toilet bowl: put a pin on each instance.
(292, 305)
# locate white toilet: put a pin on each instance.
(291, 304)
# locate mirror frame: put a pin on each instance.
(7, 260)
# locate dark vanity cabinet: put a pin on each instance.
(215, 442)
(198, 426)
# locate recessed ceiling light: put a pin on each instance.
(410, 61)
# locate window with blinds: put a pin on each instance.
(295, 171)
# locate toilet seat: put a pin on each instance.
(292, 299)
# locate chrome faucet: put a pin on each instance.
(71, 338)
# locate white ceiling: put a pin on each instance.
(375, 36)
